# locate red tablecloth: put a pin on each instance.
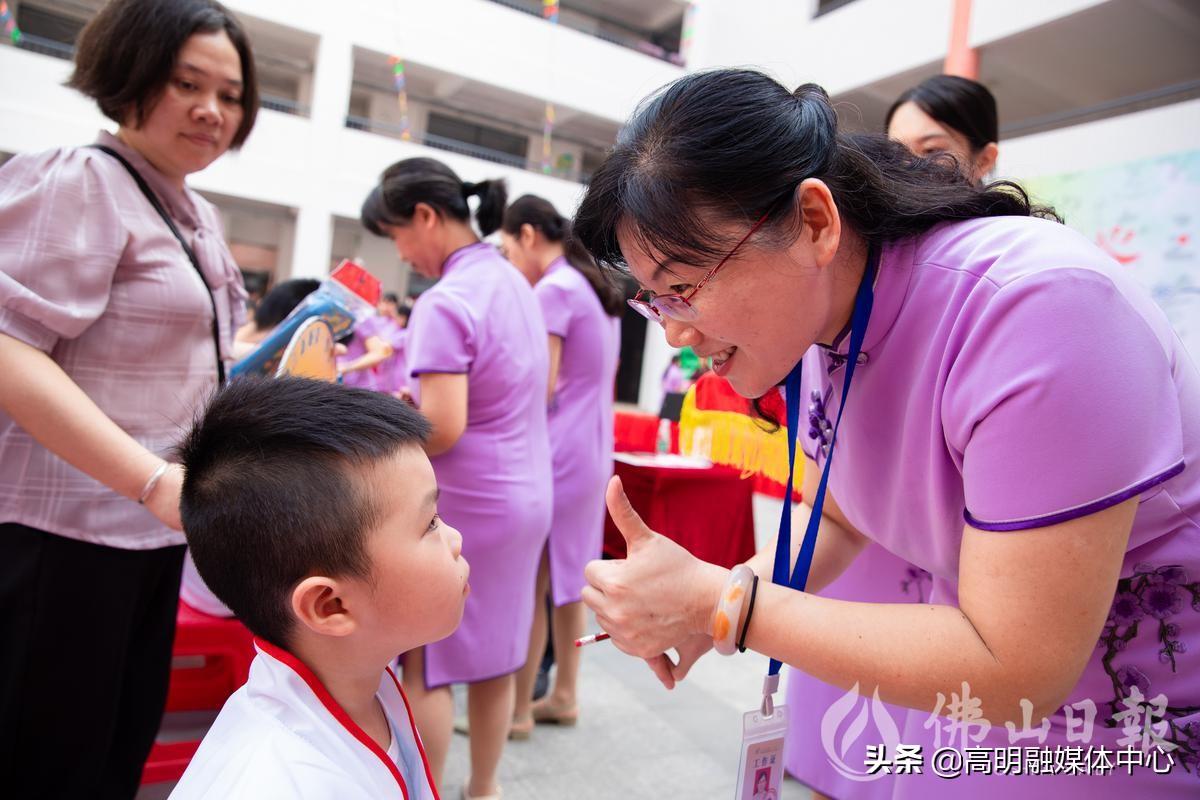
(708, 511)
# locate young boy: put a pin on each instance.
(311, 511)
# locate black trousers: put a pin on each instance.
(85, 657)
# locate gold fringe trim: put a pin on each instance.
(737, 441)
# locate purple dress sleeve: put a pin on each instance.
(1060, 403)
(61, 239)
(441, 335)
(556, 304)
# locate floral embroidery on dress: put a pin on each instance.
(819, 428)
(915, 577)
(1144, 603)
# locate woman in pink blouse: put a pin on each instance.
(118, 302)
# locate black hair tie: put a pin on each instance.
(469, 189)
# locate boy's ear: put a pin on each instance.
(318, 603)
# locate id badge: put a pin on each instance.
(760, 769)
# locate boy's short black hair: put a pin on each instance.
(273, 489)
(125, 55)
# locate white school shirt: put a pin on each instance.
(282, 735)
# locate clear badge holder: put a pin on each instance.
(760, 768)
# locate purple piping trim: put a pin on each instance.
(1075, 513)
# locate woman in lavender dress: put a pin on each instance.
(478, 356)
(946, 116)
(581, 312)
(1024, 425)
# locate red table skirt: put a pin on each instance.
(708, 511)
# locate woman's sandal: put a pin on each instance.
(497, 796)
(520, 731)
(545, 714)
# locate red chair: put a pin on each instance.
(212, 658)
(223, 649)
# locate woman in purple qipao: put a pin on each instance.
(477, 353)
(1024, 426)
(582, 314)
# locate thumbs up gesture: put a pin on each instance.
(659, 596)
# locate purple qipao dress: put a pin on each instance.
(481, 319)
(1014, 378)
(876, 576)
(377, 378)
(581, 422)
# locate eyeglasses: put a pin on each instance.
(679, 307)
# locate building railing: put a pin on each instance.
(55, 49)
(47, 47)
(630, 42)
(284, 105)
(451, 145)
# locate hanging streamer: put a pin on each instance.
(401, 88)
(549, 12)
(689, 28)
(547, 139)
(10, 25)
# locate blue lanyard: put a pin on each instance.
(863, 302)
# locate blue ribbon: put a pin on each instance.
(863, 302)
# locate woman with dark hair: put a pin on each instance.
(943, 115)
(1024, 426)
(477, 353)
(950, 115)
(581, 312)
(118, 303)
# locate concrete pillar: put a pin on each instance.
(332, 75)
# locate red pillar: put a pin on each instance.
(961, 58)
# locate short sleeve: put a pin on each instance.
(1061, 403)
(371, 326)
(61, 240)
(555, 301)
(441, 335)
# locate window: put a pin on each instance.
(825, 6)
(475, 135)
(46, 24)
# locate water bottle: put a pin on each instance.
(663, 443)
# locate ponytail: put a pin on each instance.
(492, 196)
(542, 216)
(429, 181)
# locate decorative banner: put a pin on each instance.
(549, 12)
(10, 25)
(547, 139)
(689, 31)
(1146, 215)
(310, 353)
(719, 424)
(401, 87)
